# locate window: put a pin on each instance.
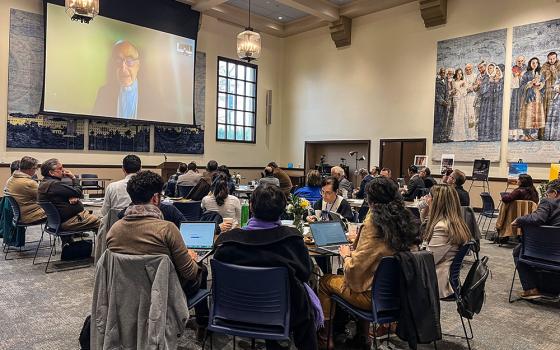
(237, 101)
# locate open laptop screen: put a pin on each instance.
(328, 233)
(198, 235)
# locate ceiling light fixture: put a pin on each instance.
(82, 10)
(249, 42)
(280, 17)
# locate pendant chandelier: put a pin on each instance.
(82, 10)
(249, 42)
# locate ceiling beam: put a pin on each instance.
(203, 5)
(365, 7)
(316, 8)
(301, 25)
(434, 12)
(239, 17)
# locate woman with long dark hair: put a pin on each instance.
(219, 200)
(388, 228)
(525, 190)
(225, 171)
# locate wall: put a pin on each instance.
(382, 86)
(216, 39)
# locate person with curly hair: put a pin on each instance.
(388, 228)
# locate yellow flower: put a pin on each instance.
(304, 203)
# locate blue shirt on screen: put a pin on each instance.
(128, 101)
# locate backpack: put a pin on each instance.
(471, 296)
(85, 334)
(76, 250)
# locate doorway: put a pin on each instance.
(398, 154)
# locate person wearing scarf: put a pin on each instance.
(143, 231)
(264, 242)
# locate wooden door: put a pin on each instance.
(398, 154)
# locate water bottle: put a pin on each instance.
(244, 213)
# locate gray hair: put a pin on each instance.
(48, 165)
(28, 163)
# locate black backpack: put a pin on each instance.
(471, 297)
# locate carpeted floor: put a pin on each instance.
(46, 311)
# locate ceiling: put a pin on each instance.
(283, 18)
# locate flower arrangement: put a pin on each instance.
(298, 208)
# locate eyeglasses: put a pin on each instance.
(129, 61)
(327, 192)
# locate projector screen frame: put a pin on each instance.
(193, 35)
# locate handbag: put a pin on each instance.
(77, 250)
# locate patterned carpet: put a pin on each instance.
(46, 311)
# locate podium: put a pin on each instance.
(168, 169)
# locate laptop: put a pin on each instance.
(328, 235)
(199, 237)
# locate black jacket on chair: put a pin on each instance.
(419, 320)
(547, 213)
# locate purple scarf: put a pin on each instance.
(258, 224)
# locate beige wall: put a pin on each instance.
(215, 39)
(382, 86)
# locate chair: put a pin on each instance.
(385, 296)
(455, 281)
(53, 226)
(184, 190)
(16, 223)
(508, 213)
(488, 212)
(540, 249)
(362, 212)
(192, 211)
(93, 184)
(244, 308)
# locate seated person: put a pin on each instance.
(346, 186)
(388, 228)
(330, 202)
(23, 189)
(414, 184)
(191, 177)
(446, 232)
(223, 169)
(426, 176)
(116, 196)
(524, 191)
(283, 177)
(457, 179)
(264, 242)
(386, 172)
(143, 231)
(14, 166)
(202, 188)
(171, 185)
(269, 178)
(445, 175)
(65, 195)
(547, 213)
(220, 201)
(312, 190)
(360, 194)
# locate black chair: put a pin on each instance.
(540, 249)
(362, 212)
(191, 210)
(247, 309)
(16, 223)
(183, 190)
(455, 281)
(488, 212)
(91, 185)
(385, 297)
(53, 227)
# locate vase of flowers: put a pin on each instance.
(298, 208)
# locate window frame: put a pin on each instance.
(218, 76)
